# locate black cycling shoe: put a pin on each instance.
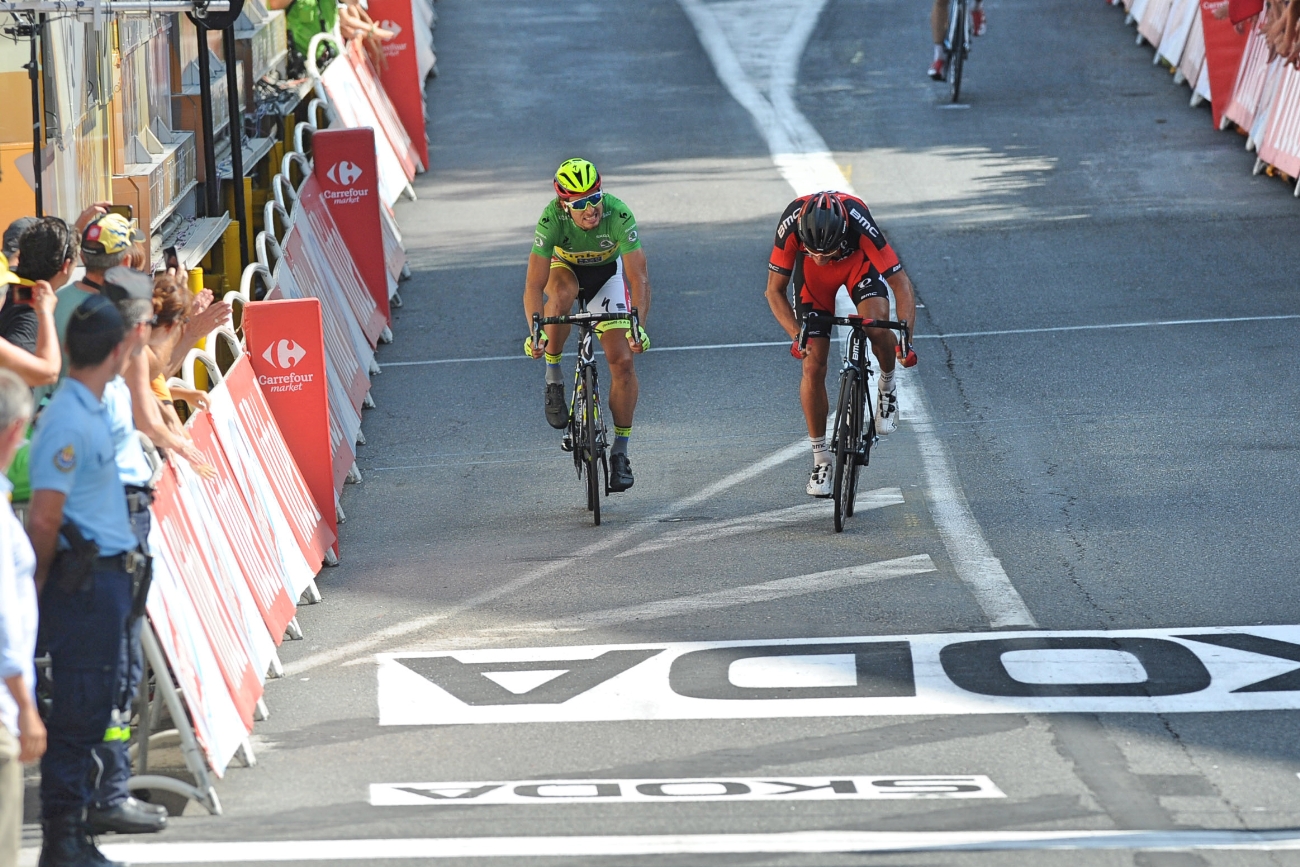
(620, 473)
(557, 411)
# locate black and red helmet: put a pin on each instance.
(823, 223)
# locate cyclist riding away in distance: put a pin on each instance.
(587, 247)
(939, 30)
(825, 241)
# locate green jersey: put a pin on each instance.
(558, 236)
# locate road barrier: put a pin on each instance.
(1197, 41)
(237, 552)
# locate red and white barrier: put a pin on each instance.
(351, 106)
(1248, 87)
(1224, 47)
(401, 77)
(1279, 146)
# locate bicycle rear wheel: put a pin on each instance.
(592, 456)
(845, 448)
(957, 47)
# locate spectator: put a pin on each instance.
(87, 572)
(304, 19)
(12, 233)
(171, 311)
(39, 366)
(18, 617)
(47, 254)
(111, 806)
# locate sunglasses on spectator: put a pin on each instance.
(585, 202)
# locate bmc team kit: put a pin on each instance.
(586, 436)
(957, 44)
(850, 443)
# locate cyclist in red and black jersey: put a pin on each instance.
(825, 241)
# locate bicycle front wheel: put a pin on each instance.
(846, 452)
(957, 52)
(857, 453)
(591, 456)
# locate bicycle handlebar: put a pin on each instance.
(861, 322)
(584, 318)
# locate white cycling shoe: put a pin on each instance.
(819, 481)
(887, 413)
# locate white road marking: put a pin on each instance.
(1105, 326)
(1219, 669)
(797, 842)
(866, 501)
(651, 791)
(407, 627)
(804, 159)
(781, 588)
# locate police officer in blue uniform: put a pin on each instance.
(87, 566)
(112, 808)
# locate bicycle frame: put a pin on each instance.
(851, 442)
(588, 445)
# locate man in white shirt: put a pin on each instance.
(22, 734)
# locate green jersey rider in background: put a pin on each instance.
(587, 247)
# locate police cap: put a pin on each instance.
(126, 284)
(94, 329)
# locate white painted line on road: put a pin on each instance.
(657, 791)
(750, 594)
(812, 168)
(1250, 668)
(701, 347)
(611, 846)
(407, 627)
(865, 501)
(1111, 326)
(781, 588)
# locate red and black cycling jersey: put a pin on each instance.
(863, 235)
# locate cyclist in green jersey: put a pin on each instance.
(587, 248)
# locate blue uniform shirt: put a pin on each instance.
(132, 466)
(72, 452)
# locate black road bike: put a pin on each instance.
(956, 46)
(586, 436)
(851, 443)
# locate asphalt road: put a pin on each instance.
(1124, 478)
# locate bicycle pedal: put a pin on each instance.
(566, 443)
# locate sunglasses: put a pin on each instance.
(585, 202)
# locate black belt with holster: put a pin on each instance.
(74, 567)
(138, 499)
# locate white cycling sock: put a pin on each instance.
(821, 454)
(938, 51)
(887, 381)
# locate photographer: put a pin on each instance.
(88, 567)
(46, 256)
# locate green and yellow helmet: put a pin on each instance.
(576, 177)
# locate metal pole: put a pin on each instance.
(33, 73)
(211, 184)
(236, 137)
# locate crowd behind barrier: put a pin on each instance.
(1241, 56)
(273, 394)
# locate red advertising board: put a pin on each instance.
(382, 107)
(180, 546)
(401, 75)
(347, 179)
(286, 352)
(1223, 50)
(310, 277)
(254, 556)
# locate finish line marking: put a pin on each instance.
(657, 791)
(1154, 323)
(798, 842)
(1141, 671)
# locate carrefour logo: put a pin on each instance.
(284, 354)
(393, 26)
(344, 173)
